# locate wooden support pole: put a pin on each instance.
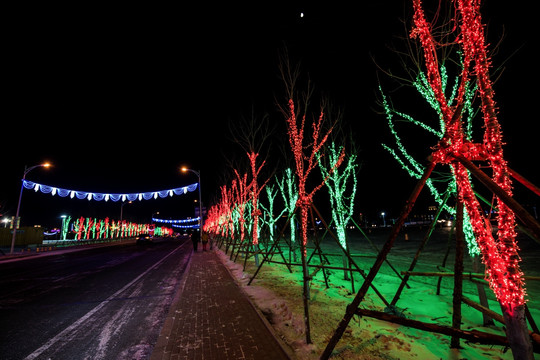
(531, 320)
(351, 309)
(458, 274)
(351, 260)
(275, 245)
(466, 275)
(318, 249)
(470, 335)
(529, 185)
(482, 296)
(522, 214)
(449, 242)
(484, 310)
(420, 248)
(378, 251)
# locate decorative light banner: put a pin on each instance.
(176, 221)
(196, 226)
(46, 189)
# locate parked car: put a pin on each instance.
(144, 239)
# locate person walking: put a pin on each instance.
(204, 239)
(195, 238)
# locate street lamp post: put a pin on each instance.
(122, 209)
(198, 173)
(15, 225)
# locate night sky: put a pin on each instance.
(118, 98)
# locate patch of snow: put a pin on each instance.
(278, 295)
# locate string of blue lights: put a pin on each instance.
(53, 190)
(181, 221)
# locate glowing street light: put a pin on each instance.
(383, 214)
(15, 223)
(198, 173)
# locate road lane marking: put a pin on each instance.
(63, 334)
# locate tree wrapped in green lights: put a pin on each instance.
(413, 167)
(65, 226)
(268, 211)
(289, 193)
(341, 187)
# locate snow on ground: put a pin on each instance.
(278, 294)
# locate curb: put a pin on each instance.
(159, 350)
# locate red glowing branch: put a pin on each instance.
(306, 163)
(241, 196)
(255, 192)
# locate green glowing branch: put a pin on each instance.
(413, 167)
(268, 212)
(340, 189)
(289, 193)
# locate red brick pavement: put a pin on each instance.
(211, 318)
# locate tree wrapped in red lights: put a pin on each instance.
(304, 165)
(225, 209)
(220, 219)
(240, 193)
(255, 190)
(499, 255)
(251, 134)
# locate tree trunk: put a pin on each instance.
(481, 292)
(517, 333)
(305, 292)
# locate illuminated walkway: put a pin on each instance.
(211, 318)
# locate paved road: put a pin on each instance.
(103, 303)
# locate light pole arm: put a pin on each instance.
(14, 224)
(198, 173)
(27, 170)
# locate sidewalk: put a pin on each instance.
(211, 318)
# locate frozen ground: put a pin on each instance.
(278, 294)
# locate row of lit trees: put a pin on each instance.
(239, 207)
(93, 228)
